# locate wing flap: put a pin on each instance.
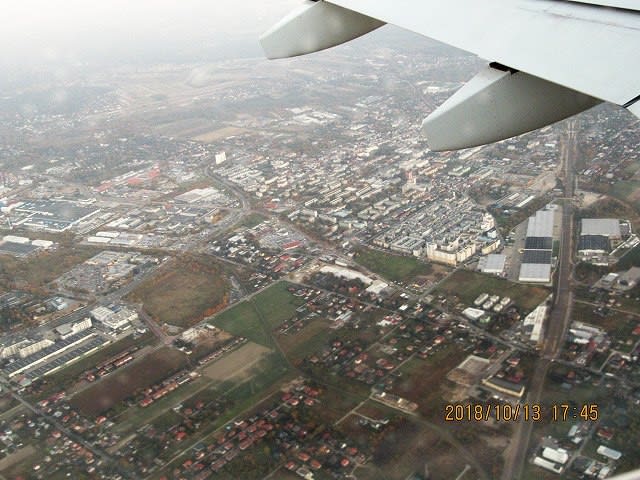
(584, 47)
(497, 104)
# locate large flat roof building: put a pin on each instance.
(492, 263)
(535, 273)
(541, 224)
(606, 227)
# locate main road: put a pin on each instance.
(559, 318)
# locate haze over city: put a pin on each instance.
(215, 266)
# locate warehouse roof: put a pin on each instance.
(541, 224)
(594, 242)
(538, 243)
(535, 272)
(609, 227)
(537, 256)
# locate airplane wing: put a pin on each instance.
(549, 59)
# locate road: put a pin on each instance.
(560, 316)
(62, 428)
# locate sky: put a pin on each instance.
(36, 33)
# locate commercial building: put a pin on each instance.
(535, 273)
(534, 323)
(493, 263)
(52, 349)
(609, 452)
(537, 259)
(114, 319)
(504, 386)
(51, 215)
(599, 237)
(605, 227)
(68, 329)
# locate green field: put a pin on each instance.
(277, 304)
(630, 259)
(627, 191)
(467, 286)
(256, 318)
(392, 267)
(243, 320)
(313, 336)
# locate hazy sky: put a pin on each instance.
(35, 32)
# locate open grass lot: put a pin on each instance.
(256, 318)
(122, 384)
(313, 336)
(17, 463)
(276, 304)
(184, 292)
(236, 365)
(630, 259)
(423, 381)
(243, 320)
(467, 285)
(252, 220)
(403, 447)
(627, 191)
(397, 268)
(37, 271)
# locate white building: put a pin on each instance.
(493, 264)
(34, 347)
(67, 329)
(535, 273)
(101, 313)
(609, 452)
(114, 320)
(14, 239)
(541, 224)
(557, 455)
(606, 227)
(221, 158)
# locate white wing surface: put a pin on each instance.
(549, 58)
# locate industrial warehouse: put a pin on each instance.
(537, 258)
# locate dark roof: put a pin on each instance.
(594, 242)
(538, 243)
(537, 256)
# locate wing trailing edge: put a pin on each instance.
(498, 104)
(569, 55)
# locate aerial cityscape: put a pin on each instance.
(239, 268)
